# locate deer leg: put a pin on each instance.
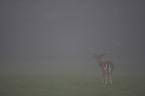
(106, 81)
(110, 78)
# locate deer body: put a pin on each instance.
(107, 67)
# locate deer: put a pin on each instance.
(107, 67)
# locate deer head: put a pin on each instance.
(98, 58)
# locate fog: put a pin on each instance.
(60, 36)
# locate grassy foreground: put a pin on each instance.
(60, 85)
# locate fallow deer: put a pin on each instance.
(107, 67)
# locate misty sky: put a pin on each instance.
(60, 36)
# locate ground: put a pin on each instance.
(70, 85)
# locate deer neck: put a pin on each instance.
(100, 62)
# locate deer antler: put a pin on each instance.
(102, 55)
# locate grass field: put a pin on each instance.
(71, 85)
